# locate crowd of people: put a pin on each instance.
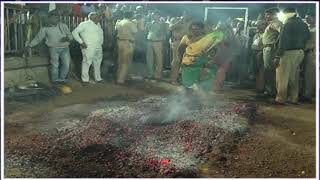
(277, 53)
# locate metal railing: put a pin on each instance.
(15, 27)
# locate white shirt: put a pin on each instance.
(90, 33)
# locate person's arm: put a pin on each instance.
(307, 32)
(116, 26)
(277, 26)
(147, 27)
(282, 40)
(173, 25)
(182, 47)
(38, 38)
(69, 35)
(76, 34)
(134, 28)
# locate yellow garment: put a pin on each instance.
(65, 89)
(201, 46)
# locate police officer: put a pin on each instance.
(270, 40)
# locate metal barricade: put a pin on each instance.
(15, 27)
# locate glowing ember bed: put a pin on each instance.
(153, 137)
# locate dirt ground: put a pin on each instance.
(281, 142)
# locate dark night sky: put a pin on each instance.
(254, 8)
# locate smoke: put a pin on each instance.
(179, 105)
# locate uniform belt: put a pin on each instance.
(293, 49)
(268, 45)
(132, 41)
(155, 40)
(176, 39)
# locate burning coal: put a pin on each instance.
(153, 137)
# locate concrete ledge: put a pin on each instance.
(14, 63)
(19, 62)
(38, 61)
(13, 77)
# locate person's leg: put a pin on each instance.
(176, 62)
(158, 50)
(221, 75)
(150, 60)
(296, 58)
(243, 66)
(127, 54)
(97, 64)
(259, 72)
(130, 58)
(87, 55)
(282, 77)
(310, 75)
(120, 60)
(54, 64)
(268, 59)
(253, 64)
(65, 63)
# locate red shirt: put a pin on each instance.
(76, 10)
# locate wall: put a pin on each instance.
(17, 70)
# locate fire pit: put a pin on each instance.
(153, 137)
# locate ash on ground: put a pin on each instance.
(154, 137)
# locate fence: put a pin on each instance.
(16, 24)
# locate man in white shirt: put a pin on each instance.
(126, 39)
(58, 37)
(89, 35)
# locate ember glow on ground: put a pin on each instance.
(137, 139)
(163, 162)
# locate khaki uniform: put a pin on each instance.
(257, 48)
(140, 36)
(310, 65)
(126, 36)
(288, 75)
(178, 31)
(156, 36)
(269, 40)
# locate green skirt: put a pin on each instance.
(192, 74)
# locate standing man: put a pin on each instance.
(310, 61)
(126, 37)
(90, 37)
(58, 37)
(270, 41)
(178, 27)
(140, 39)
(257, 56)
(155, 39)
(292, 41)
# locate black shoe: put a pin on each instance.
(56, 82)
(293, 103)
(101, 81)
(261, 96)
(305, 100)
(85, 83)
(120, 83)
(277, 103)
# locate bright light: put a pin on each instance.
(281, 16)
